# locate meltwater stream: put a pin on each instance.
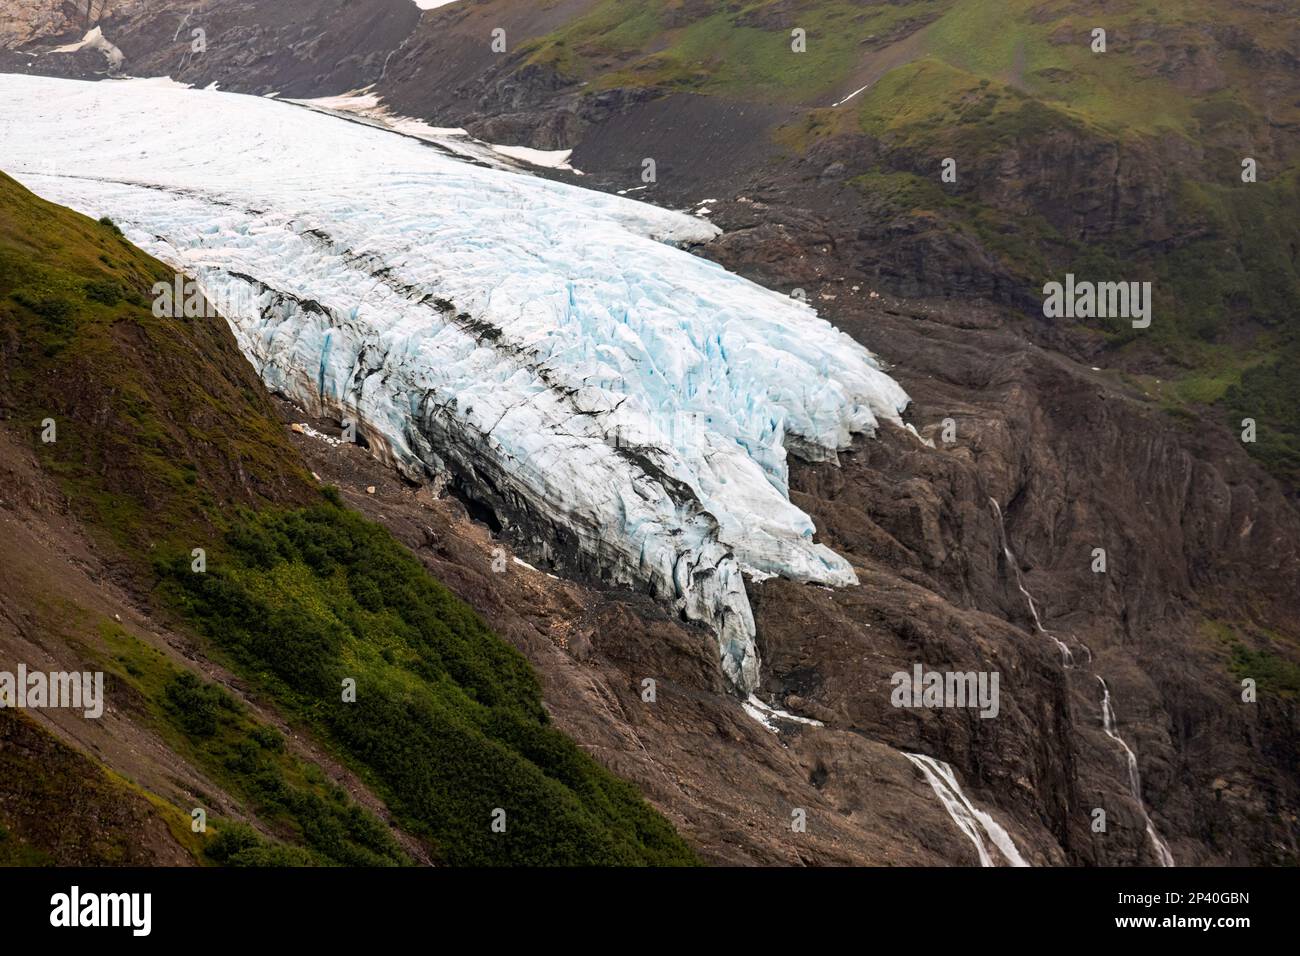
(973, 822)
(1134, 778)
(1107, 711)
(1067, 658)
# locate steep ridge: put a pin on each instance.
(720, 774)
(928, 555)
(1164, 621)
(163, 438)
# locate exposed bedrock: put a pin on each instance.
(1201, 551)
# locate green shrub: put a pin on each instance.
(268, 738)
(237, 844)
(197, 705)
(104, 291)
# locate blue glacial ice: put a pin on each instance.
(623, 406)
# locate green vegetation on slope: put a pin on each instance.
(1071, 161)
(166, 442)
(1270, 395)
(1115, 165)
(160, 423)
(742, 49)
(447, 722)
(1226, 258)
(1250, 654)
(250, 760)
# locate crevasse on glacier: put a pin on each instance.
(622, 405)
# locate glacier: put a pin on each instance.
(624, 407)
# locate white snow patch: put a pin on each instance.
(367, 104)
(768, 716)
(95, 40)
(545, 158)
(758, 715)
(364, 106)
(850, 96)
(157, 81)
(305, 429)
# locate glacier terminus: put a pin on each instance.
(624, 407)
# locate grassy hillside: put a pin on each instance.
(166, 443)
(1157, 54)
(1117, 165)
(740, 49)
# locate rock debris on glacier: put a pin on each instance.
(623, 406)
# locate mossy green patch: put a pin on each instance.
(59, 807)
(1252, 653)
(1223, 264)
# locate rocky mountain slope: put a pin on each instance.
(1163, 627)
(1117, 165)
